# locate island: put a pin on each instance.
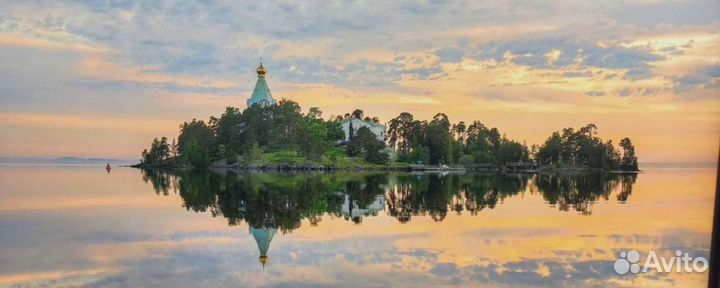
(277, 135)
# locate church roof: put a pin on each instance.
(369, 123)
(261, 93)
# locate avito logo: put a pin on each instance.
(681, 262)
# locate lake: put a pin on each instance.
(78, 225)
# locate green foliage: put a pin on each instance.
(317, 135)
(438, 139)
(366, 143)
(195, 154)
(447, 143)
(420, 154)
(629, 160)
(195, 143)
(232, 157)
(549, 153)
(511, 151)
(227, 129)
(269, 134)
(159, 150)
(582, 147)
(255, 153)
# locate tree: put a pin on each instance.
(314, 113)
(174, 148)
(438, 139)
(159, 151)
(351, 131)
(254, 153)
(285, 128)
(335, 132)
(227, 129)
(195, 154)
(458, 131)
(629, 160)
(511, 151)
(583, 147)
(550, 152)
(366, 143)
(313, 138)
(357, 114)
(420, 154)
(195, 142)
(402, 131)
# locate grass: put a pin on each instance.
(333, 157)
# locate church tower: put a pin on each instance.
(261, 94)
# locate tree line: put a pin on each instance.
(245, 135)
(440, 142)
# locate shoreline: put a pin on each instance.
(379, 168)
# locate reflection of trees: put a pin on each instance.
(579, 192)
(626, 183)
(283, 201)
(266, 200)
(422, 194)
(162, 182)
(435, 194)
(362, 193)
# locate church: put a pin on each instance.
(261, 93)
(261, 96)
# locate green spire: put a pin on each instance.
(261, 93)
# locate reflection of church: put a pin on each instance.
(263, 231)
(263, 236)
(351, 209)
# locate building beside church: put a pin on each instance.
(353, 124)
(261, 93)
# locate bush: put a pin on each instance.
(420, 154)
(377, 157)
(254, 153)
(196, 155)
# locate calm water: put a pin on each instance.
(68, 226)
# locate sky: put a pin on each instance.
(102, 78)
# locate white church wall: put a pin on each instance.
(377, 129)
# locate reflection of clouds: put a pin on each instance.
(360, 262)
(520, 243)
(223, 259)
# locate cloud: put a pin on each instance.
(453, 55)
(638, 74)
(574, 74)
(706, 77)
(624, 92)
(654, 13)
(445, 269)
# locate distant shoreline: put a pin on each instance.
(98, 161)
(394, 167)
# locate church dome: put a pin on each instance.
(261, 70)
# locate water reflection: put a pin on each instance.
(269, 202)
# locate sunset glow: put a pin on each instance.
(100, 80)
